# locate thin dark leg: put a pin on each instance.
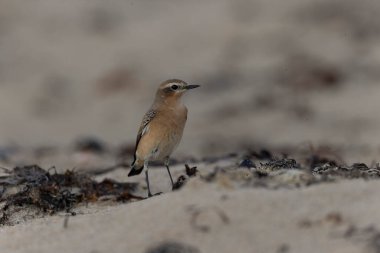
(147, 183)
(170, 175)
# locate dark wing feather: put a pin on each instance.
(146, 120)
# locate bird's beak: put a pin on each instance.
(189, 87)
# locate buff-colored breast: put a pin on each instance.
(163, 133)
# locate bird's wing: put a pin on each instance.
(145, 125)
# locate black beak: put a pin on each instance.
(189, 87)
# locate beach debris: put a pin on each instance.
(30, 191)
(247, 163)
(287, 172)
(179, 183)
(358, 170)
(182, 179)
(66, 220)
(281, 164)
(49, 192)
(191, 171)
(172, 247)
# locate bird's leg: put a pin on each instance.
(170, 175)
(147, 183)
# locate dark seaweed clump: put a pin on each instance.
(49, 193)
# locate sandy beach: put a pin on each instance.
(283, 131)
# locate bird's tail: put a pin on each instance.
(137, 168)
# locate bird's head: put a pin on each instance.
(174, 88)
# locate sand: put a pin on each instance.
(295, 77)
(314, 219)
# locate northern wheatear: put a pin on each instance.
(161, 129)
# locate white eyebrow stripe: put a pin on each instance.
(170, 84)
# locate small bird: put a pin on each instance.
(161, 128)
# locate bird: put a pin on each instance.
(161, 129)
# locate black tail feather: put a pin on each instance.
(135, 171)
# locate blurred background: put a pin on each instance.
(288, 73)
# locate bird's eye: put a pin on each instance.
(175, 87)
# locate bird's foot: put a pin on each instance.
(152, 195)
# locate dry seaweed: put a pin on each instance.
(191, 171)
(53, 192)
(289, 173)
(179, 183)
(316, 160)
(357, 170)
(282, 164)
